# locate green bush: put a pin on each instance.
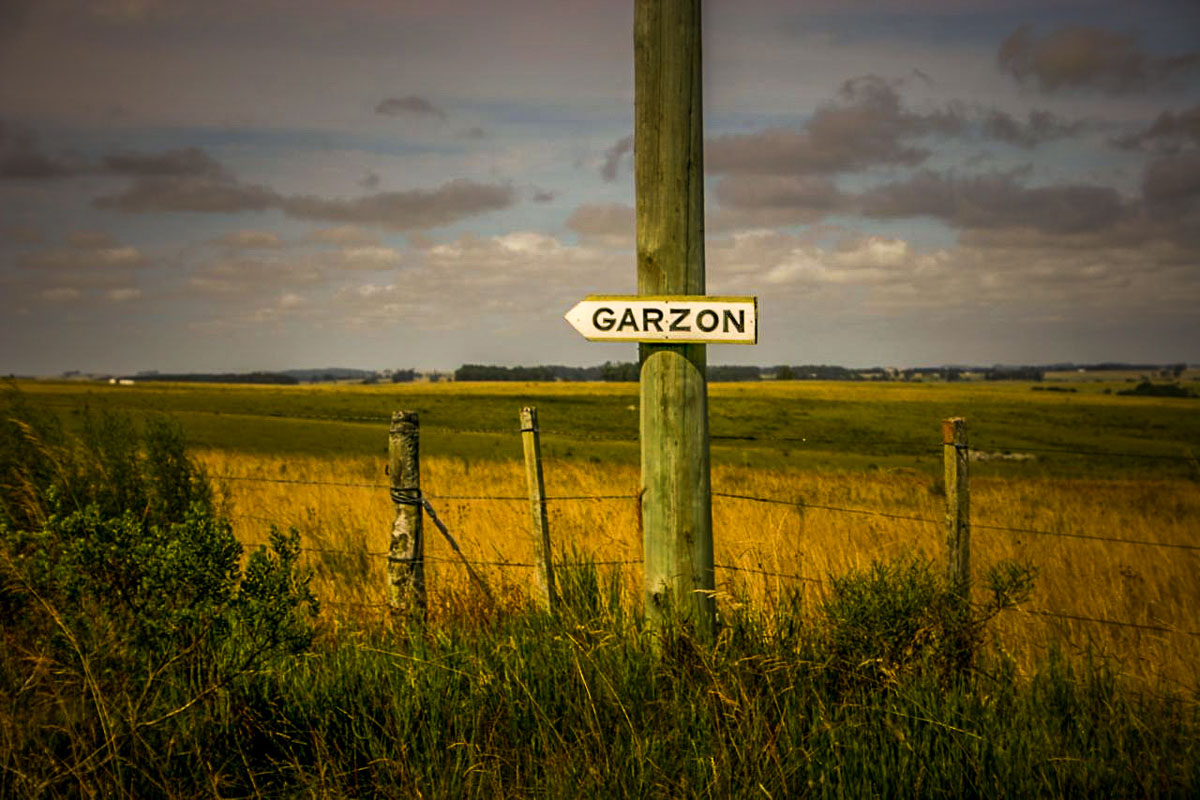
(901, 617)
(127, 612)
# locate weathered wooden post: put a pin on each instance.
(958, 504)
(669, 174)
(531, 438)
(406, 553)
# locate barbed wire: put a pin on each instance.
(769, 573)
(345, 484)
(1091, 537)
(797, 504)
(804, 504)
(1103, 621)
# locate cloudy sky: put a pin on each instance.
(227, 185)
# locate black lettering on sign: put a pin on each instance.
(603, 319)
(627, 321)
(707, 314)
(652, 316)
(739, 322)
(678, 315)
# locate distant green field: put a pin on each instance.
(803, 425)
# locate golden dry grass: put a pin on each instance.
(346, 529)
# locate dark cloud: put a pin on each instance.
(23, 235)
(190, 181)
(613, 156)
(995, 200)
(91, 240)
(1171, 185)
(1085, 57)
(22, 158)
(200, 193)
(411, 210)
(370, 181)
(182, 161)
(409, 106)
(817, 195)
(866, 125)
(1041, 126)
(603, 220)
(544, 196)
(1169, 133)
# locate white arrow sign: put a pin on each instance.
(681, 319)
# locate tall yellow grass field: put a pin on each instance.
(344, 514)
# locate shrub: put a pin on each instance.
(899, 617)
(126, 608)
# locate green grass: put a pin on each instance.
(114, 687)
(805, 425)
(590, 704)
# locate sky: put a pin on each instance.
(234, 185)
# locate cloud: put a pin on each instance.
(22, 159)
(93, 260)
(205, 190)
(251, 240)
(818, 193)
(179, 162)
(123, 294)
(344, 235)
(1086, 57)
(370, 181)
(404, 211)
(865, 126)
(91, 240)
(61, 294)
(411, 105)
(1171, 186)
(1041, 126)
(611, 224)
(755, 201)
(368, 257)
(23, 235)
(994, 200)
(613, 156)
(195, 193)
(247, 277)
(1169, 133)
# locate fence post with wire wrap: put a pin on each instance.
(531, 438)
(958, 504)
(406, 551)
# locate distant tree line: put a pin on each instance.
(278, 378)
(1014, 374)
(817, 372)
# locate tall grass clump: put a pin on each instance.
(127, 608)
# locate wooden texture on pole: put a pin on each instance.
(406, 552)
(958, 504)
(531, 438)
(669, 174)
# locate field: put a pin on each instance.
(1099, 493)
(1047, 465)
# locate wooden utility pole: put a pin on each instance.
(406, 553)
(537, 508)
(669, 173)
(958, 504)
